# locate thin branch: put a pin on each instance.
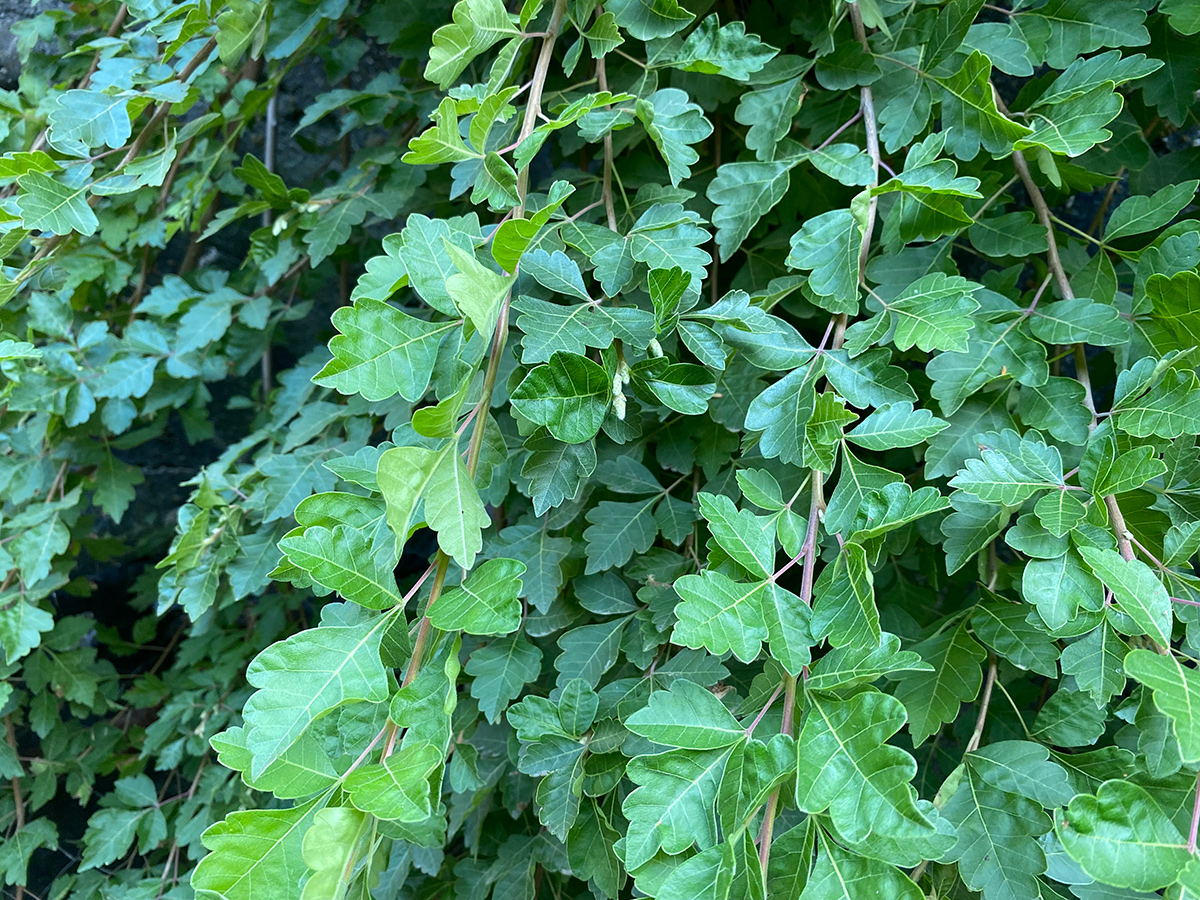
(499, 337)
(610, 211)
(1191, 844)
(829, 140)
(762, 712)
(18, 799)
(1043, 214)
(867, 106)
(1118, 523)
(768, 824)
(985, 701)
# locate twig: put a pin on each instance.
(829, 140)
(499, 338)
(1119, 529)
(808, 551)
(1191, 844)
(872, 130)
(1056, 269)
(984, 702)
(762, 712)
(768, 825)
(18, 799)
(610, 211)
(1043, 214)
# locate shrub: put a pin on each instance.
(754, 453)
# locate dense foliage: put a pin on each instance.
(754, 454)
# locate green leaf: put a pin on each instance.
(454, 509)
(476, 290)
(304, 677)
(843, 875)
(744, 192)
(848, 666)
(1136, 589)
(673, 123)
(720, 615)
(486, 603)
(707, 874)
(721, 50)
(969, 112)
(80, 120)
(478, 24)
(647, 19)
(686, 716)
(1176, 694)
(442, 143)
(397, 789)
(51, 206)
(1121, 837)
(828, 245)
(672, 807)
(1060, 511)
(1078, 27)
(618, 531)
(933, 313)
(1011, 234)
(846, 767)
(329, 849)
(343, 559)
(768, 112)
(781, 413)
(1138, 215)
(1072, 127)
(788, 621)
(1097, 662)
(556, 470)
(895, 425)
(844, 609)
(1080, 321)
(22, 625)
(1012, 471)
(1176, 302)
(1003, 627)
(109, 835)
(21, 845)
(933, 698)
(997, 851)
(748, 539)
(501, 669)
(683, 387)
(569, 395)
(253, 847)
